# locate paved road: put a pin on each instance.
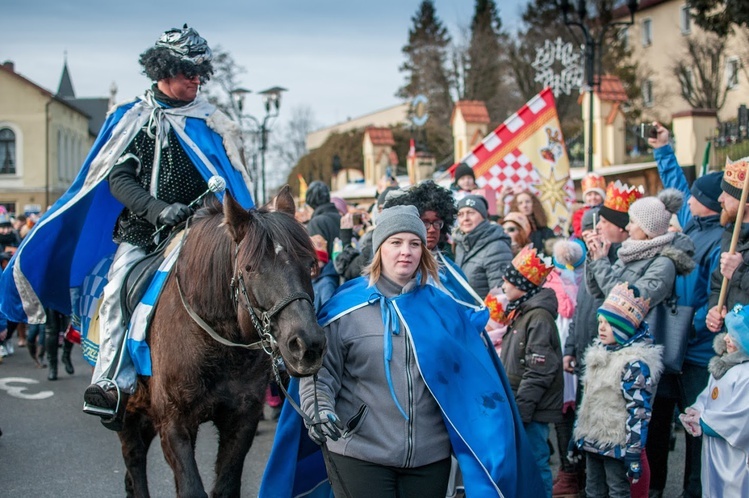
(50, 448)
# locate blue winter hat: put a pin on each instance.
(737, 324)
(706, 189)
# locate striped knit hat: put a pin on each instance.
(625, 310)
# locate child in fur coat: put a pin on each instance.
(721, 412)
(622, 368)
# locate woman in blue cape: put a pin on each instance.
(407, 380)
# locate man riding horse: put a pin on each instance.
(152, 157)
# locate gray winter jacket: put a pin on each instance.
(483, 254)
(653, 276)
(584, 325)
(353, 376)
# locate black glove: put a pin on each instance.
(634, 471)
(174, 214)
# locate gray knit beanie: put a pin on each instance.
(398, 219)
(476, 202)
(653, 214)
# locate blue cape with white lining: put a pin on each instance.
(75, 234)
(462, 371)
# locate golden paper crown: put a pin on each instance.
(533, 268)
(622, 303)
(619, 196)
(593, 181)
(735, 173)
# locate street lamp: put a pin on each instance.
(592, 46)
(272, 104)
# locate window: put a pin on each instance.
(647, 32)
(685, 18)
(732, 72)
(624, 38)
(647, 93)
(7, 151)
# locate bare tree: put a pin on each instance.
(288, 144)
(700, 72)
(225, 80)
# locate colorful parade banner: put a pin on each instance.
(528, 151)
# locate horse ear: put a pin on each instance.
(284, 202)
(236, 218)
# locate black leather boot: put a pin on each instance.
(52, 375)
(66, 349)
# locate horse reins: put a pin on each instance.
(267, 343)
(261, 320)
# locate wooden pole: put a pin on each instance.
(735, 237)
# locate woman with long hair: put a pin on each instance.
(528, 204)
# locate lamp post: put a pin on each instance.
(272, 104)
(593, 46)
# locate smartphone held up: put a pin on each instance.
(647, 130)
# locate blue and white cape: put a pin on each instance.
(461, 369)
(75, 234)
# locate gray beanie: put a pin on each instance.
(476, 202)
(653, 214)
(398, 219)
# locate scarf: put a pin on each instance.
(513, 307)
(635, 250)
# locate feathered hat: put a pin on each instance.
(619, 196)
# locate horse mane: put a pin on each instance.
(206, 262)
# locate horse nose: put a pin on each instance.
(307, 351)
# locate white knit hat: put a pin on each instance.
(653, 214)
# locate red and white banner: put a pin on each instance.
(527, 151)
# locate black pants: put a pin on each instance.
(675, 391)
(352, 478)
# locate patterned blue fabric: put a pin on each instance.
(458, 363)
(140, 322)
(76, 232)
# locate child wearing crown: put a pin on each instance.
(622, 369)
(531, 351)
(721, 412)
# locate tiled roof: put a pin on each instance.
(380, 136)
(611, 89)
(623, 11)
(473, 111)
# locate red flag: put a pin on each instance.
(528, 151)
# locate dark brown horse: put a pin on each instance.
(233, 263)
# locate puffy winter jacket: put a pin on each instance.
(483, 254)
(693, 289)
(532, 357)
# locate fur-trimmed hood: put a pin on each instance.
(720, 364)
(681, 252)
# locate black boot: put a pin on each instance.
(66, 349)
(52, 375)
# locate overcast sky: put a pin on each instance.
(339, 57)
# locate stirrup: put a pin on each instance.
(107, 414)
